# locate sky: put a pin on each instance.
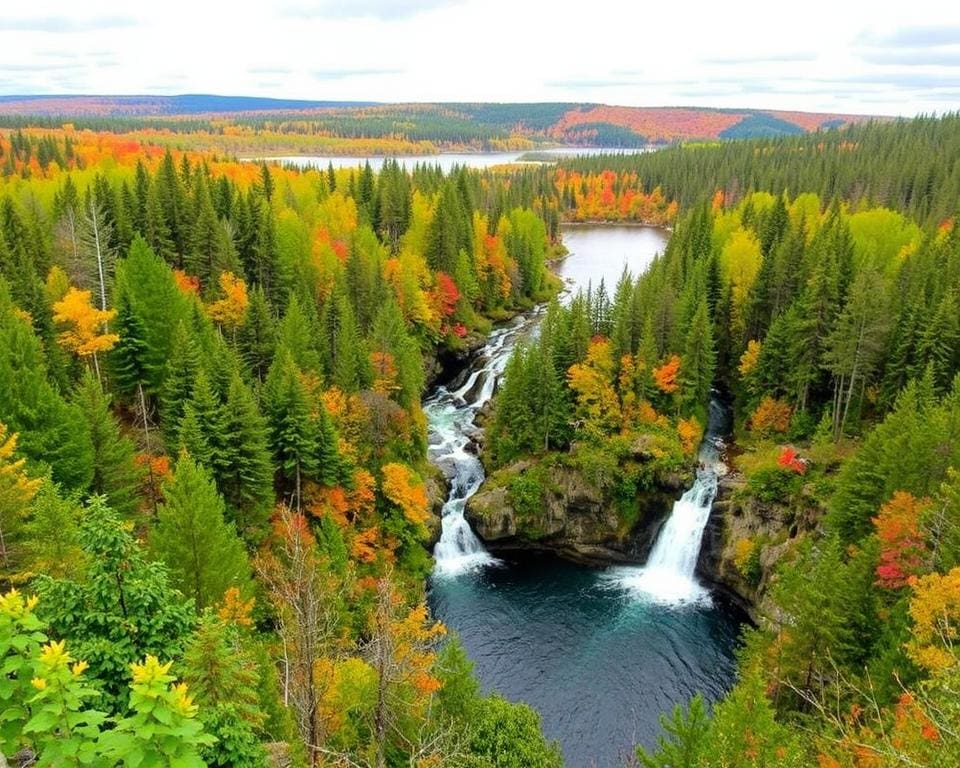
(838, 56)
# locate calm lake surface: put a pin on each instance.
(595, 658)
(448, 160)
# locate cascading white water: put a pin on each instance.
(451, 416)
(668, 576)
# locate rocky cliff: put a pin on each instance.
(744, 541)
(554, 507)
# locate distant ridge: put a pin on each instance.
(135, 105)
(455, 123)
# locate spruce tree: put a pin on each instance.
(182, 370)
(291, 431)
(246, 480)
(115, 475)
(201, 549)
(257, 335)
(699, 359)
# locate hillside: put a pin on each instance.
(445, 124)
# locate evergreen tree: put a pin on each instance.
(223, 678)
(115, 475)
(201, 549)
(292, 435)
(699, 358)
(246, 480)
(182, 371)
(257, 335)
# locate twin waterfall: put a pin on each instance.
(667, 578)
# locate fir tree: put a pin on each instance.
(201, 549)
(115, 475)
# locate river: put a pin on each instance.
(600, 653)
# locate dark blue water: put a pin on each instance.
(598, 663)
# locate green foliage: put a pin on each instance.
(911, 450)
(52, 432)
(115, 476)
(120, 608)
(202, 551)
(774, 484)
(506, 735)
(224, 678)
(685, 741)
(21, 635)
(162, 728)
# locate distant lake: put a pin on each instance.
(448, 160)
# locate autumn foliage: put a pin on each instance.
(790, 460)
(85, 332)
(405, 490)
(666, 376)
(902, 546)
(230, 310)
(771, 415)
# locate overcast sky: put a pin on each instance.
(836, 55)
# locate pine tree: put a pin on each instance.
(699, 359)
(115, 475)
(223, 678)
(940, 343)
(257, 335)
(182, 370)
(202, 550)
(129, 361)
(291, 431)
(331, 468)
(247, 480)
(297, 334)
(202, 432)
(52, 432)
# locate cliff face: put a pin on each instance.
(745, 540)
(571, 517)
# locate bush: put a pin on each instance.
(774, 484)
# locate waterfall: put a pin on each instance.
(451, 415)
(668, 576)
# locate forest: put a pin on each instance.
(215, 498)
(831, 326)
(243, 125)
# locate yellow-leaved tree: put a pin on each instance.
(598, 406)
(231, 309)
(16, 491)
(87, 329)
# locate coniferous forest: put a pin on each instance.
(216, 504)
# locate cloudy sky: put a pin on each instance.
(836, 55)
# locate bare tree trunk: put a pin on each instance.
(858, 353)
(143, 414)
(382, 660)
(99, 254)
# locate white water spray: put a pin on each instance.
(668, 576)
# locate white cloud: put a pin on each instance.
(823, 55)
